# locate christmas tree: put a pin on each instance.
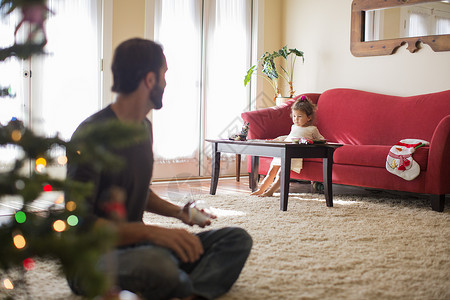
(58, 232)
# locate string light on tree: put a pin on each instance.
(8, 284)
(72, 220)
(20, 216)
(16, 135)
(48, 188)
(59, 225)
(71, 206)
(60, 199)
(28, 264)
(19, 241)
(62, 160)
(41, 163)
(20, 185)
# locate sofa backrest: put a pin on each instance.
(269, 123)
(357, 117)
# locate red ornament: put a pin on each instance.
(28, 264)
(34, 14)
(48, 188)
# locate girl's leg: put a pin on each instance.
(274, 187)
(267, 181)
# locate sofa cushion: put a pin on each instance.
(373, 156)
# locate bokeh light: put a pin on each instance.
(19, 241)
(28, 264)
(62, 160)
(72, 220)
(20, 216)
(48, 188)
(20, 185)
(60, 199)
(71, 206)
(59, 225)
(8, 284)
(16, 135)
(41, 163)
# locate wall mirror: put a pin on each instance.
(380, 27)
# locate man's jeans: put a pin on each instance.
(155, 272)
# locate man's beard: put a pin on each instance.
(156, 97)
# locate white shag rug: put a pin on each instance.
(365, 247)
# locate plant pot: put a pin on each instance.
(281, 100)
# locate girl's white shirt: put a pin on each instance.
(308, 132)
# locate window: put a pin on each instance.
(56, 91)
(207, 44)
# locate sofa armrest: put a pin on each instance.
(438, 169)
(269, 123)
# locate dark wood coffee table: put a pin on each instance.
(285, 151)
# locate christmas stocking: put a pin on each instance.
(400, 161)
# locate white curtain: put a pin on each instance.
(66, 82)
(442, 25)
(429, 21)
(176, 125)
(418, 23)
(207, 45)
(227, 59)
(373, 25)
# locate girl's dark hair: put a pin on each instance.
(305, 105)
(133, 60)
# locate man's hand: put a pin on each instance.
(187, 246)
(192, 215)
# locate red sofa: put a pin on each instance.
(368, 125)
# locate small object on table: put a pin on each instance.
(241, 136)
(305, 141)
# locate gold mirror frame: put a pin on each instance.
(359, 47)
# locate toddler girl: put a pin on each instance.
(303, 113)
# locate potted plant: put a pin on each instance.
(271, 72)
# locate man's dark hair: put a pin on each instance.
(132, 61)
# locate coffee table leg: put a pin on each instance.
(254, 173)
(285, 176)
(215, 169)
(238, 167)
(327, 180)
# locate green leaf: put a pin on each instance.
(298, 53)
(283, 52)
(269, 69)
(248, 77)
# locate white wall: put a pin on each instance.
(321, 28)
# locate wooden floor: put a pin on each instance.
(167, 189)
